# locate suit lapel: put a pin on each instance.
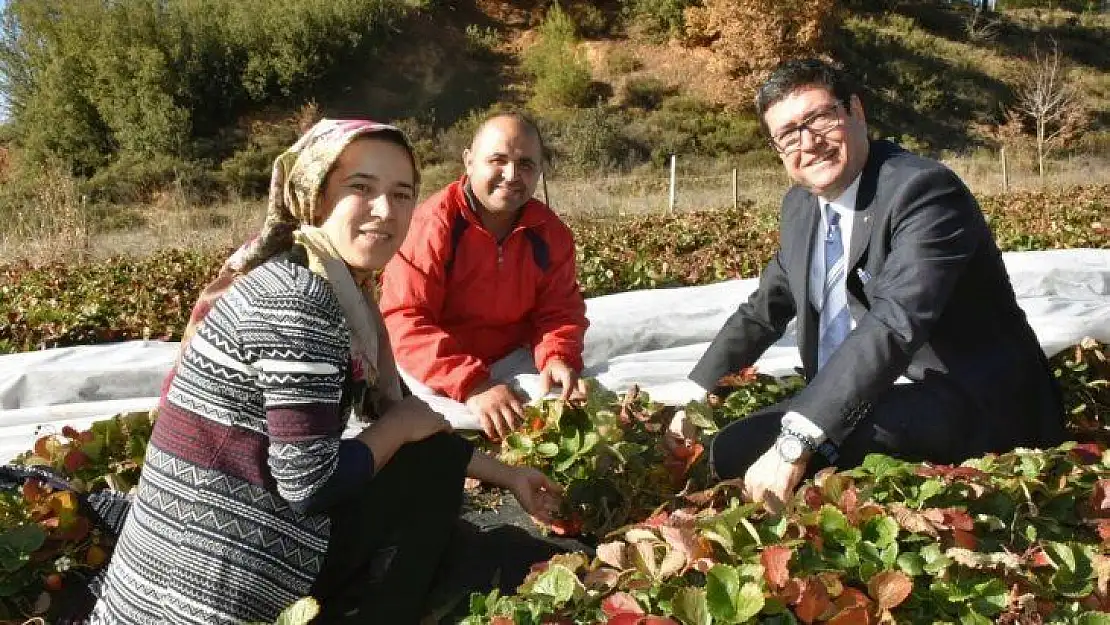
(865, 197)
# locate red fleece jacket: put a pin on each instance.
(448, 326)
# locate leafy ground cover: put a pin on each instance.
(126, 298)
(1020, 537)
(888, 541)
(50, 543)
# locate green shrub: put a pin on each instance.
(646, 93)
(687, 126)
(1077, 6)
(422, 135)
(590, 139)
(246, 173)
(591, 20)
(660, 18)
(481, 40)
(561, 75)
(135, 178)
(437, 176)
(563, 85)
(92, 83)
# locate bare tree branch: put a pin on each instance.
(1048, 100)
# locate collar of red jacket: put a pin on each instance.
(532, 214)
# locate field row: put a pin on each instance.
(123, 298)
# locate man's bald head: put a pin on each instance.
(504, 162)
(511, 121)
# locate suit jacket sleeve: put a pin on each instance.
(754, 327)
(932, 236)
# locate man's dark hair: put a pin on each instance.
(523, 119)
(794, 74)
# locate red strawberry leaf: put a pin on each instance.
(890, 588)
(812, 602)
(776, 568)
(965, 539)
(852, 616)
(620, 603)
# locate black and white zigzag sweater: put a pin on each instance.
(228, 523)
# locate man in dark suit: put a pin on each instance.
(911, 338)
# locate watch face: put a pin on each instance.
(790, 448)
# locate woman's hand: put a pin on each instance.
(537, 494)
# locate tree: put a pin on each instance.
(1047, 100)
(750, 37)
(93, 83)
(561, 74)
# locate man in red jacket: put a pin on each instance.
(487, 270)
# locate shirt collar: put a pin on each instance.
(846, 201)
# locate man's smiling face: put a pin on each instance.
(822, 144)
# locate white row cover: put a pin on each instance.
(651, 338)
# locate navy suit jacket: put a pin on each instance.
(932, 300)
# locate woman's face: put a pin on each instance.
(369, 198)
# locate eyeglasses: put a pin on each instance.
(820, 122)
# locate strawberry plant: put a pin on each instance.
(127, 298)
(1084, 375)
(614, 455)
(48, 541)
(1017, 537)
(607, 452)
(107, 455)
(1022, 537)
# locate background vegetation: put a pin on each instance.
(67, 303)
(116, 105)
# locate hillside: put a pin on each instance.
(936, 75)
(625, 83)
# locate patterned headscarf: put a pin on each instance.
(292, 212)
(298, 178)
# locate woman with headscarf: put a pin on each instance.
(249, 497)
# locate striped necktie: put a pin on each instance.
(835, 320)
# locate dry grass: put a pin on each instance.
(58, 226)
(181, 225)
(696, 189)
(70, 234)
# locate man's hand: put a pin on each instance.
(498, 409)
(558, 373)
(538, 495)
(771, 480)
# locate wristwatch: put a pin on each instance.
(790, 447)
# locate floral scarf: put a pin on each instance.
(292, 213)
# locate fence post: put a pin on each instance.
(1005, 171)
(735, 190)
(670, 205)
